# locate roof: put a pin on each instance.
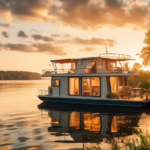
(73, 59)
(88, 58)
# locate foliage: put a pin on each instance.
(139, 142)
(94, 148)
(144, 139)
(135, 80)
(137, 65)
(19, 75)
(145, 52)
(145, 85)
(111, 95)
(115, 147)
(143, 91)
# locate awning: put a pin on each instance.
(63, 61)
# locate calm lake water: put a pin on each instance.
(28, 124)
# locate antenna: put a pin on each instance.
(106, 48)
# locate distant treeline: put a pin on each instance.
(144, 77)
(19, 75)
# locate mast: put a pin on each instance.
(106, 48)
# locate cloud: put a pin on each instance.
(75, 41)
(50, 49)
(34, 48)
(5, 34)
(92, 41)
(38, 37)
(115, 3)
(5, 25)
(26, 10)
(55, 35)
(87, 14)
(87, 49)
(34, 30)
(22, 34)
(67, 36)
(92, 14)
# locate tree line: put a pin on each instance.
(19, 75)
(143, 80)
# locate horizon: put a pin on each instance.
(33, 33)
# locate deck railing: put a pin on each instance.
(115, 56)
(42, 92)
(87, 70)
(58, 71)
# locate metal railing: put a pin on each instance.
(42, 92)
(89, 70)
(122, 70)
(58, 71)
(115, 56)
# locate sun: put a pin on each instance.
(146, 68)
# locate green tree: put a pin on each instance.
(131, 80)
(145, 52)
(144, 84)
(19, 75)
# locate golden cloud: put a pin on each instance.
(34, 48)
(87, 14)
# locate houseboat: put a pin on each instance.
(101, 80)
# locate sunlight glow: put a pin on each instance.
(146, 68)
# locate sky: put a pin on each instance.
(33, 32)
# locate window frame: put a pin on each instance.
(52, 83)
(69, 86)
(99, 88)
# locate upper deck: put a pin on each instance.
(108, 64)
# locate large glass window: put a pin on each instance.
(73, 86)
(116, 83)
(91, 86)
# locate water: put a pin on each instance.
(28, 124)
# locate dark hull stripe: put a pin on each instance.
(122, 103)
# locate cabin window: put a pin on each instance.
(55, 82)
(104, 65)
(112, 64)
(99, 66)
(91, 86)
(73, 86)
(91, 67)
(116, 82)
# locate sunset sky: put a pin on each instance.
(33, 32)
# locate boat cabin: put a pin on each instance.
(99, 77)
(102, 64)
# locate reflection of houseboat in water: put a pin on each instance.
(90, 127)
(94, 81)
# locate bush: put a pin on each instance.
(111, 95)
